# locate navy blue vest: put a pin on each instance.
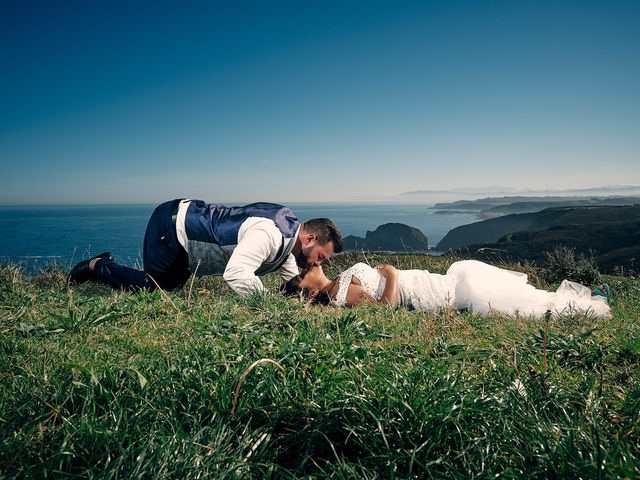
(212, 234)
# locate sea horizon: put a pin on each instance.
(35, 235)
(429, 204)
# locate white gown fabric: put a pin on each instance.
(476, 286)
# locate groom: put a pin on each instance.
(186, 237)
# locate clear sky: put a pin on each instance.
(239, 101)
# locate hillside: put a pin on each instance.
(494, 207)
(615, 246)
(491, 202)
(492, 230)
(536, 206)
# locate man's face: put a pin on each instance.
(313, 253)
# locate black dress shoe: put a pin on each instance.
(81, 272)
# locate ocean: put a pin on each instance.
(37, 236)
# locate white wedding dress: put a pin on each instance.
(475, 286)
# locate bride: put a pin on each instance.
(467, 285)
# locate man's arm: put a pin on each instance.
(258, 241)
(289, 269)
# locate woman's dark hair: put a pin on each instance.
(292, 288)
(322, 298)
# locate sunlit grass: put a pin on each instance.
(96, 383)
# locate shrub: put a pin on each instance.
(563, 263)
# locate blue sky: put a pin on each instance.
(126, 102)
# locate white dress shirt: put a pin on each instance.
(259, 241)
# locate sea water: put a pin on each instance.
(37, 236)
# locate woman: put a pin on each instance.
(467, 285)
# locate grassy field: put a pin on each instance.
(103, 384)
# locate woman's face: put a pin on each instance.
(314, 278)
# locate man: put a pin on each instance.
(185, 237)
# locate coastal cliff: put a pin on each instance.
(492, 230)
(610, 234)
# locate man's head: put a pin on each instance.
(318, 239)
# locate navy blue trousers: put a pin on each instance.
(164, 259)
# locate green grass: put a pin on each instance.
(103, 384)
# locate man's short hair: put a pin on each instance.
(326, 231)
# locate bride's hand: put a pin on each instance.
(387, 271)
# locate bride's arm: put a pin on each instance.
(356, 295)
(390, 295)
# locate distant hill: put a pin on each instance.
(490, 202)
(490, 231)
(536, 206)
(393, 237)
(611, 233)
(494, 207)
(613, 245)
